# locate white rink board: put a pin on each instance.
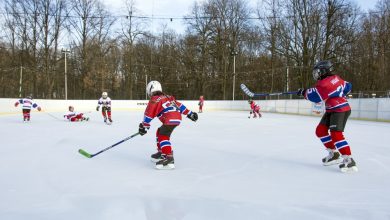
(372, 109)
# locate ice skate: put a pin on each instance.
(332, 158)
(167, 163)
(348, 165)
(156, 157)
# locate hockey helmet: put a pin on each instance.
(104, 95)
(71, 108)
(322, 69)
(29, 96)
(153, 86)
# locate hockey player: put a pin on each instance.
(201, 103)
(27, 105)
(255, 109)
(169, 111)
(73, 116)
(105, 101)
(332, 89)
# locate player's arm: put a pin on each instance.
(150, 113)
(35, 105)
(314, 95)
(182, 108)
(99, 104)
(185, 111)
(20, 101)
(347, 88)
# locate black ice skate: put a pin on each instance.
(348, 165)
(332, 158)
(167, 163)
(156, 157)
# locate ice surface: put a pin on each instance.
(227, 167)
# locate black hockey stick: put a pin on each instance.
(88, 155)
(251, 94)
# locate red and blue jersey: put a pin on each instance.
(332, 90)
(166, 108)
(255, 107)
(26, 103)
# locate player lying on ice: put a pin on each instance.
(169, 111)
(73, 116)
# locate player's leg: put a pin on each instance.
(26, 114)
(322, 132)
(109, 113)
(337, 124)
(163, 138)
(104, 113)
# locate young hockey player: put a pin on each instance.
(73, 116)
(332, 89)
(255, 109)
(105, 101)
(201, 103)
(169, 111)
(27, 105)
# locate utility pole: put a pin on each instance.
(20, 81)
(234, 54)
(65, 52)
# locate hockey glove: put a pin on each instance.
(142, 130)
(16, 104)
(193, 116)
(301, 92)
(97, 108)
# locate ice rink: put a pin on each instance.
(227, 167)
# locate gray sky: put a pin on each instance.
(180, 8)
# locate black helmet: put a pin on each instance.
(322, 69)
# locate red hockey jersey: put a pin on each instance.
(255, 107)
(332, 90)
(166, 108)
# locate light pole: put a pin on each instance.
(66, 77)
(20, 81)
(234, 54)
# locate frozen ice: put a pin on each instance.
(227, 167)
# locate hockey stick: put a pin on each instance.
(88, 155)
(52, 116)
(251, 94)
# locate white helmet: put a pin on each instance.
(104, 94)
(153, 86)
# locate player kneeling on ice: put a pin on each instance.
(332, 90)
(255, 109)
(105, 101)
(27, 105)
(169, 111)
(73, 116)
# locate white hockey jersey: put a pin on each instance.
(27, 103)
(104, 102)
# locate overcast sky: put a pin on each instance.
(180, 8)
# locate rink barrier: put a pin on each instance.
(376, 109)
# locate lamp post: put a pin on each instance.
(234, 54)
(20, 81)
(65, 52)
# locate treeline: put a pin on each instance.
(270, 48)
